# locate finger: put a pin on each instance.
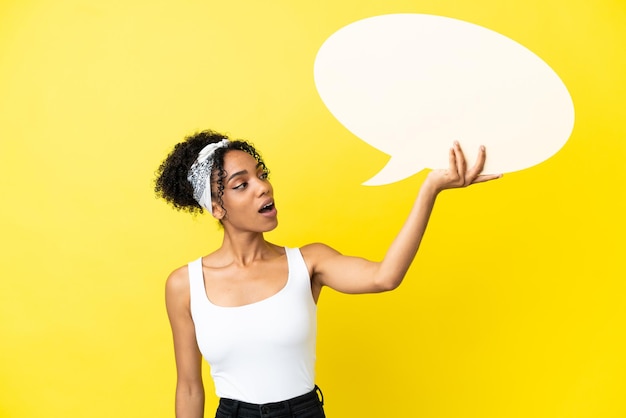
(460, 161)
(452, 161)
(479, 165)
(486, 177)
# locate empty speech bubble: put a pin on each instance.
(411, 84)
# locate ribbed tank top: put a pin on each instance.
(264, 351)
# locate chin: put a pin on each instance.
(271, 227)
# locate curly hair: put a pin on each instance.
(171, 181)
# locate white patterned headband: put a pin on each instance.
(199, 174)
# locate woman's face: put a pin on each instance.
(248, 195)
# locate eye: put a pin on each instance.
(241, 186)
(264, 175)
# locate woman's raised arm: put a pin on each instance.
(357, 275)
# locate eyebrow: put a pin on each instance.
(239, 173)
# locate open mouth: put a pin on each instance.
(267, 208)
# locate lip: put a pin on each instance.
(271, 213)
(267, 202)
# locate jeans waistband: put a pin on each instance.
(293, 404)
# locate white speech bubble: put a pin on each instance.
(411, 84)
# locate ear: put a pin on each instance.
(218, 212)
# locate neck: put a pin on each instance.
(246, 248)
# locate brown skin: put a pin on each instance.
(247, 268)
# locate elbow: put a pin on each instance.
(190, 390)
(189, 401)
(388, 278)
(387, 284)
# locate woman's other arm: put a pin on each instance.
(189, 386)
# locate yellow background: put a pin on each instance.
(514, 306)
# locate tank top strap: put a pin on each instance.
(297, 267)
(196, 279)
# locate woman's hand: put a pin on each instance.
(457, 175)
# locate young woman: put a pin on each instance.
(249, 307)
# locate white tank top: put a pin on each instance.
(262, 352)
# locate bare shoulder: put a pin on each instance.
(317, 248)
(317, 252)
(177, 283)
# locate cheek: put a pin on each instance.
(234, 203)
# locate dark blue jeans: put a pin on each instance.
(309, 405)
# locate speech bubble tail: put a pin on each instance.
(394, 170)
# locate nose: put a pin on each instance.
(264, 187)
